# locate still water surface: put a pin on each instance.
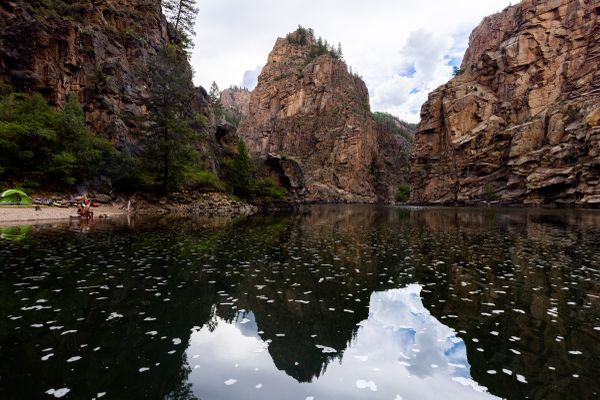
(353, 302)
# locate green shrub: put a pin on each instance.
(232, 117)
(269, 189)
(47, 147)
(489, 192)
(403, 193)
(205, 181)
(240, 174)
(318, 47)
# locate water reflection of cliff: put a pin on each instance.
(309, 285)
(523, 281)
(522, 287)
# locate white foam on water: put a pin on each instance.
(58, 393)
(362, 384)
(326, 349)
(521, 378)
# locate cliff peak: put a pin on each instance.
(310, 118)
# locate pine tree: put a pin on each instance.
(240, 172)
(182, 14)
(339, 51)
(214, 97)
(167, 141)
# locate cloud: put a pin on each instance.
(426, 62)
(403, 49)
(250, 78)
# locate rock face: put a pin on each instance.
(310, 119)
(236, 99)
(521, 123)
(95, 54)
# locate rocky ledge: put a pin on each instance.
(205, 204)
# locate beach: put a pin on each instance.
(31, 215)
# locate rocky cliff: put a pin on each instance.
(236, 99)
(309, 117)
(92, 49)
(521, 122)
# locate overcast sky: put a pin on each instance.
(403, 49)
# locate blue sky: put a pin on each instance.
(403, 49)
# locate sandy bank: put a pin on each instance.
(31, 215)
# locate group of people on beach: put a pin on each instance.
(84, 209)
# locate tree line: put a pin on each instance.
(318, 46)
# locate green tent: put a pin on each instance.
(14, 197)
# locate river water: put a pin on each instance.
(344, 302)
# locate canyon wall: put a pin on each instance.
(94, 50)
(521, 121)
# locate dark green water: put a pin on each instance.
(353, 302)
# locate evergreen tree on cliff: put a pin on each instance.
(167, 141)
(214, 97)
(182, 14)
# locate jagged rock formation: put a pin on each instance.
(521, 124)
(236, 99)
(90, 49)
(310, 118)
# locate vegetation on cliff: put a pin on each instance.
(396, 125)
(44, 146)
(131, 73)
(241, 174)
(306, 37)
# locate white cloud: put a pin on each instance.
(402, 48)
(250, 78)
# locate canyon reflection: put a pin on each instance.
(336, 302)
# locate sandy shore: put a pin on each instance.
(31, 215)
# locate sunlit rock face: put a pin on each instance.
(96, 54)
(313, 115)
(521, 123)
(236, 99)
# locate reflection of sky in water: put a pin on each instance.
(400, 352)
